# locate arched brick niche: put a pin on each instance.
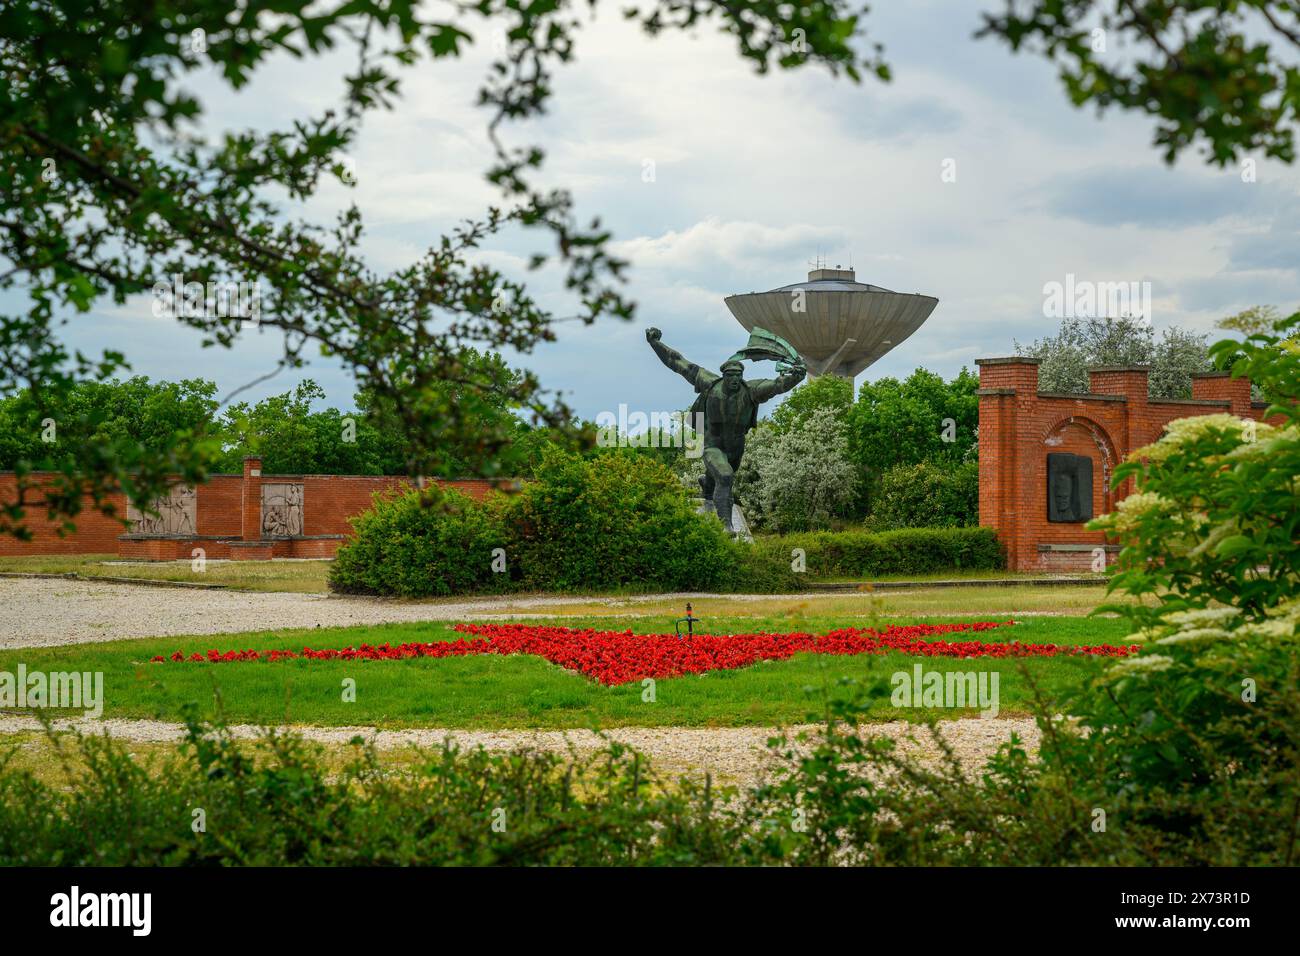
(1079, 435)
(1069, 545)
(1020, 426)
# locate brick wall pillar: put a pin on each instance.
(1018, 372)
(1222, 387)
(1004, 384)
(1134, 383)
(250, 528)
(1131, 381)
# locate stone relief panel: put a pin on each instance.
(176, 513)
(281, 509)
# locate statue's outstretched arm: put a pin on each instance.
(790, 375)
(671, 357)
(787, 378)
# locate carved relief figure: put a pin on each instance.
(282, 509)
(175, 513)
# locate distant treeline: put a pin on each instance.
(291, 437)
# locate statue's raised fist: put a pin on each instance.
(652, 334)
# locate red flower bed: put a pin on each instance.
(618, 657)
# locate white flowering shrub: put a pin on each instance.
(798, 479)
(1215, 517)
(1206, 720)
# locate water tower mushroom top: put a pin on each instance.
(839, 325)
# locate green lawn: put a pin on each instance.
(789, 612)
(303, 576)
(312, 576)
(494, 691)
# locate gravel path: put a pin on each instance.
(43, 612)
(731, 754)
(40, 612)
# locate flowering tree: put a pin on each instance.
(1216, 517)
(1082, 343)
(800, 479)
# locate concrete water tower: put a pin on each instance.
(839, 325)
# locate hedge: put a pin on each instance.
(411, 545)
(830, 554)
(613, 521)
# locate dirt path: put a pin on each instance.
(731, 754)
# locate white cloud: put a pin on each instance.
(712, 244)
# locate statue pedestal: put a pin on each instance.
(738, 523)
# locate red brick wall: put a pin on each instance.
(95, 534)
(182, 549)
(170, 549)
(1223, 387)
(218, 508)
(228, 506)
(311, 547)
(254, 550)
(480, 488)
(329, 500)
(1020, 426)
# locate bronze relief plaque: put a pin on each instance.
(1069, 487)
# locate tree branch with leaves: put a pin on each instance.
(107, 187)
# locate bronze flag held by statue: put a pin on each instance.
(768, 345)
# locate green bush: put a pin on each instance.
(928, 496)
(278, 801)
(614, 521)
(416, 545)
(908, 551)
(611, 521)
(1164, 763)
(608, 522)
(762, 568)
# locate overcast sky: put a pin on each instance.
(754, 176)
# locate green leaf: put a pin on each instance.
(1237, 544)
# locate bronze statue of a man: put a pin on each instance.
(729, 405)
